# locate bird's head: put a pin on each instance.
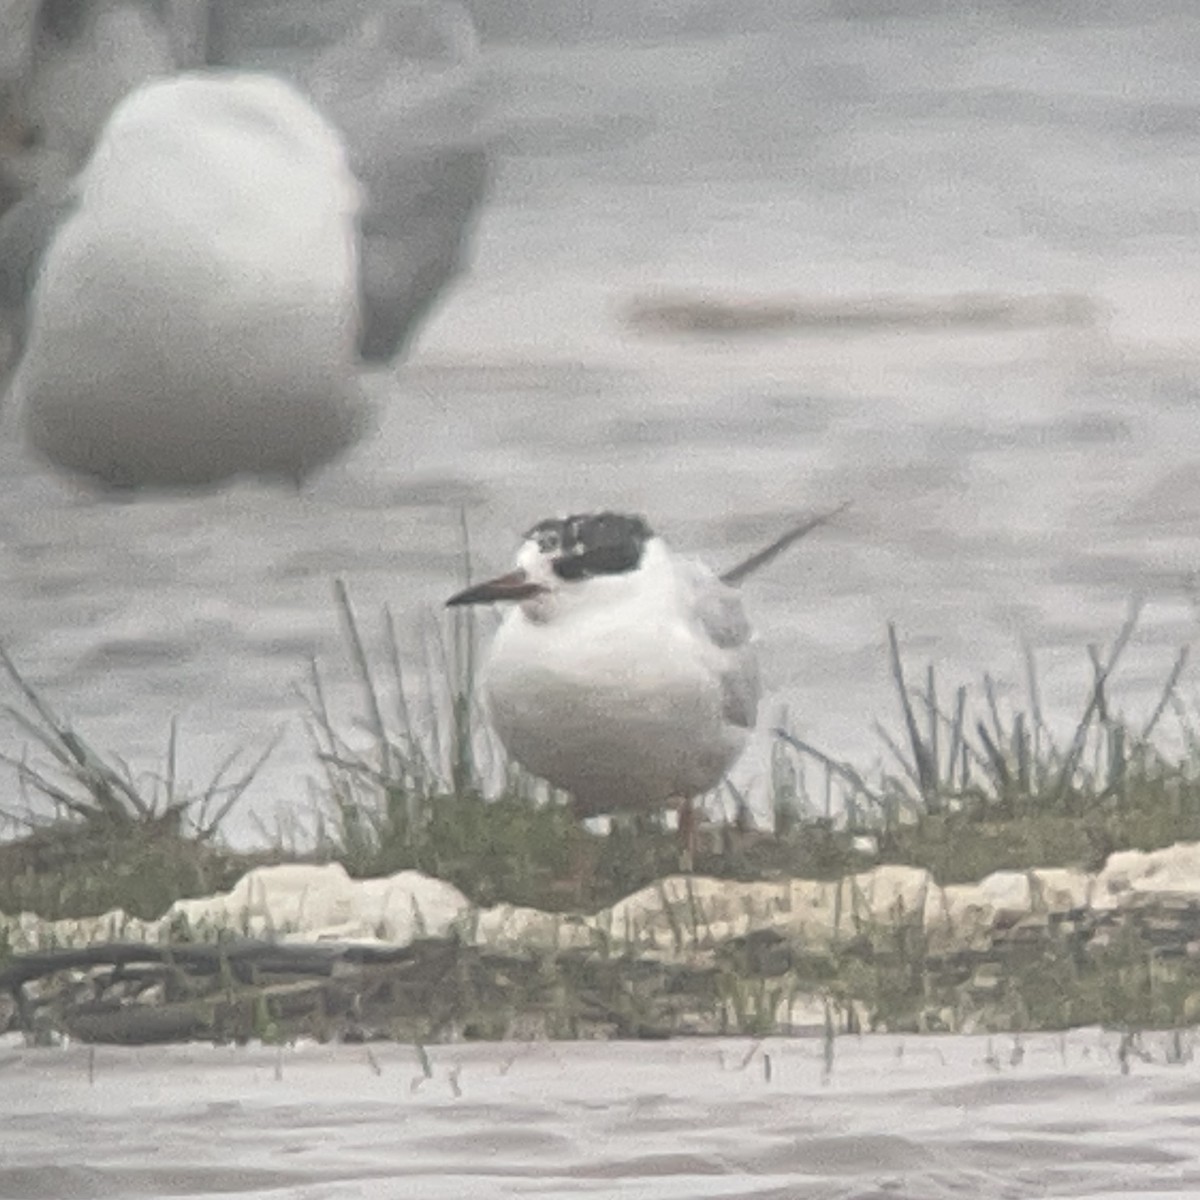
(566, 563)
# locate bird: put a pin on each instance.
(405, 83)
(401, 83)
(624, 673)
(195, 316)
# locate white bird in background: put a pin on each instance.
(625, 674)
(113, 231)
(196, 315)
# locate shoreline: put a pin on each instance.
(295, 951)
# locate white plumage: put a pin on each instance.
(624, 674)
(622, 689)
(401, 81)
(196, 316)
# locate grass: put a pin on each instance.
(418, 782)
(969, 786)
(967, 789)
(971, 792)
(94, 837)
(431, 790)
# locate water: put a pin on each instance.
(897, 1119)
(1007, 485)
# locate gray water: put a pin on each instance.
(895, 1119)
(1008, 485)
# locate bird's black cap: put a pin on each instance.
(604, 543)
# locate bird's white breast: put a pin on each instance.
(227, 196)
(621, 705)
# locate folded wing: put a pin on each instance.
(721, 619)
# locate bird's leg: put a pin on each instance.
(580, 875)
(687, 834)
(581, 863)
(736, 838)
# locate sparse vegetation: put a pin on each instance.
(94, 837)
(418, 782)
(431, 791)
(426, 787)
(970, 793)
(967, 793)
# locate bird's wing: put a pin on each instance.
(186, 23)
(720, 617)
(26, 229)
(768, 554)
(18, 33)
(405, 84)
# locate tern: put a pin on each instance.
(625, 674)
(219, 219)
(194, 317)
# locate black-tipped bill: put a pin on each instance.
(516, 585)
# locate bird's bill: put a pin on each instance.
(516, 585)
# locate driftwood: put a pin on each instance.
(223, 1016)
(242, 957)
(231, 990)
(430, 990)
(1140, 963)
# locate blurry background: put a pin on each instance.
(1017, 471)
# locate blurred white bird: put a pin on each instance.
(397, 83)
(403, 82)
(196, 315)
(625, 674)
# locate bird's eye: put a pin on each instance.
(571, 568)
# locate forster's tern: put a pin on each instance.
(624, 674)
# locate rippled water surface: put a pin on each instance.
(1008, 484)
(913, 1119)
